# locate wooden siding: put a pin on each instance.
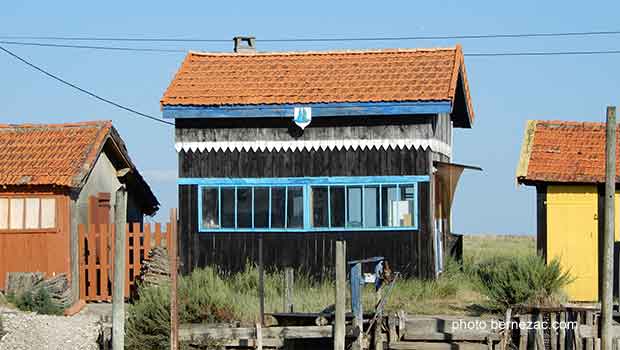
(304, 163)
(409, 251)
(283, 129)
(43, 251)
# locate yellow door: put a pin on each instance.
(572, 236)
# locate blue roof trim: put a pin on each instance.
(318, 110)
(292, 181)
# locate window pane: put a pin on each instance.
(319, 207)
(295, 210)
(407, 196)
(371, 206)
(336, 194)
(17, 213)
(277, 207)
(32, 213)
(228, 206)
(261, 207)
(244, 207)
(48, 213)
(210, 208)
(389, 205)
(4, 213)
(354, 206)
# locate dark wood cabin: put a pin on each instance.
(303, 149)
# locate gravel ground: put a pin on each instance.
(41, 332)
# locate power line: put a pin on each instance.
(549, 53)
(156, 50)
(317, 39)
(90, 47)
(41, 70)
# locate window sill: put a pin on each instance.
(28, 231)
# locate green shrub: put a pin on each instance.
(202, 297)
(38, 300)
(519, 280)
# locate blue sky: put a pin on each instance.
(506, 91)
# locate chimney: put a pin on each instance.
(245, 44)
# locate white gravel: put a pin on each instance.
(41, 332)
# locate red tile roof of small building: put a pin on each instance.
(394, 75)
(49, 154)
(561, 151)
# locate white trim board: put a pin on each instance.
(315, 145)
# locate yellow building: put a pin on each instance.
(565, 161)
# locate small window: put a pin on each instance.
(210, 207)
(295, 207)
(319, 207)
(244, 207)
(354, 206)
(228, 207)
(27, 213)
(336, 194)
(261, 207)
(278, 198)
(389, 205)
(16, 217)
(371, 206)
(4, 213)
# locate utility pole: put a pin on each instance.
(118, 288)
(609, 231)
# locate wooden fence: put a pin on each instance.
(97, 256)
(563, 328)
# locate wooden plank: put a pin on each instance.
(92, 274)
(187, 332)
(578, 338)
(147, 239)
(127, 266)
(104, 263)
(479, 335)
(438, 346)
(259, 337)
(136, 251)
(158, 234)
(589, 322)
(523, 333)
(82, 255)
(562, 340)
(553, 332)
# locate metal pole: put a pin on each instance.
(261, 281)
(118, 294)
(174, 268)
(341, 285)
(608, 234)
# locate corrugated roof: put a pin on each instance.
(395, 75)
(561, 151)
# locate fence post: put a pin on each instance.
(261, 280)
(288, 289)
(341, 285)
(118, 294)
(608, 232)
(174, 268)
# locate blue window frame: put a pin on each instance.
(307, 204)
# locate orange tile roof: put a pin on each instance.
(560, 151)
(52, 154)
(394, 75)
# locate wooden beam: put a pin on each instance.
(118, 293)
(608, 234)
(341, 287)
(195, 331)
